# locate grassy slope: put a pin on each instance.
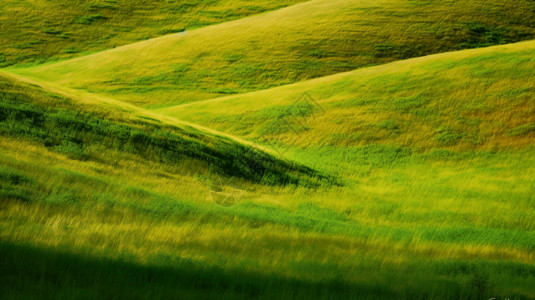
(303, 41)
(471, 99)
(44, 30)
(64, 125)
(404, 224)
(97, 104)
(407, 225)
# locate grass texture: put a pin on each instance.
(34, 32)
(304, 41)
(465, 100)
(125, 174)
(401, 222)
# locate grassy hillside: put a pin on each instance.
(63, 125)
(42, 30)
(116, 222)
(124, 174)
(303, 41)
(471, 99)
(122, 220)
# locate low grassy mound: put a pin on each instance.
(56, 122)
(470, 99)
(304, 41)
(58, 29)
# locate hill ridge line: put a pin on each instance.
(137, 111)
(178, 36)
(342, 74)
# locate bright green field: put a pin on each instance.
(412, 179)
(399, 223)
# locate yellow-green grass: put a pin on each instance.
(470, 99)
(63, 124)
(37, 31)
(306, 40)
(414, 228)
(433, 160)
(113, 109)
(437, 225)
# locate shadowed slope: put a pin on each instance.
(61, 124)
(56, 274)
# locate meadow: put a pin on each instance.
(34, 32)
(149, 230)
(391, 178)
(480, 99)
(303, 41)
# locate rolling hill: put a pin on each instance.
(479, 99)
(303, 41)
(83, 201)
(47, 30)
(106, 133)
(350, 164)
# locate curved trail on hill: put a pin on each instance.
(90, 98)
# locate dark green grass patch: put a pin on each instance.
(10, 176)
(448, 137)
(88, 20)
(522, 130)
(15, 185)
(482, 35)
(60, 274)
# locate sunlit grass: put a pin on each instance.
(408, 180)
(473, 99)
(53, 30)
(380, 225)
(403, 220)
(304, 41)
(434, 224)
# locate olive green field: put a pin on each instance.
(323, 149)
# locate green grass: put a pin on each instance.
(521, 130)
(93, 218)
(178, 277)
(303, 41)
(58, 29)
(101, 278)
(403, 223)
(409, 225)
(406, 103)
(408, 180)
(81, 136)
